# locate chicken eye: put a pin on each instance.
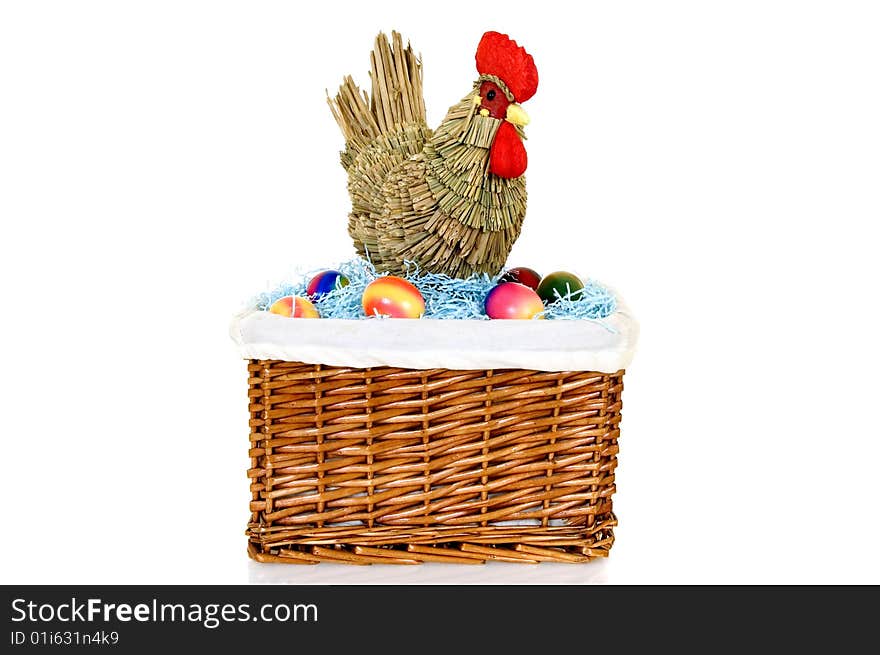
(491, 95)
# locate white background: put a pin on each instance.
(718, 163)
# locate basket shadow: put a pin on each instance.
(429, 573)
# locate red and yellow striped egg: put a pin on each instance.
(393, 296)
(294, 307)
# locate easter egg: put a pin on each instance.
(294, 307)
(393, 296)
(523, 275)
(325, 282)
(512, 300)
(561, 283)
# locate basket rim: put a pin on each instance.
(605, 346)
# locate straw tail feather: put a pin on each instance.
(382, 129)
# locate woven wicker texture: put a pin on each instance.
(404, 466)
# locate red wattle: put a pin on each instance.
(507, 157)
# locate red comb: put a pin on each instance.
(499, 55)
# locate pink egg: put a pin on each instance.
(513, 300)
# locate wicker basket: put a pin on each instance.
(384, 464)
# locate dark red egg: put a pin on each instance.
(523, 275)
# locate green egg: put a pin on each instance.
(558, 285)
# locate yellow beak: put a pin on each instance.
(517, 115)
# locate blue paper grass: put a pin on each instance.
(592, 302)
(445, 297)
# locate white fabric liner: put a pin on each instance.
(605, 346)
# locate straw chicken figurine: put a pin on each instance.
(453, 199)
